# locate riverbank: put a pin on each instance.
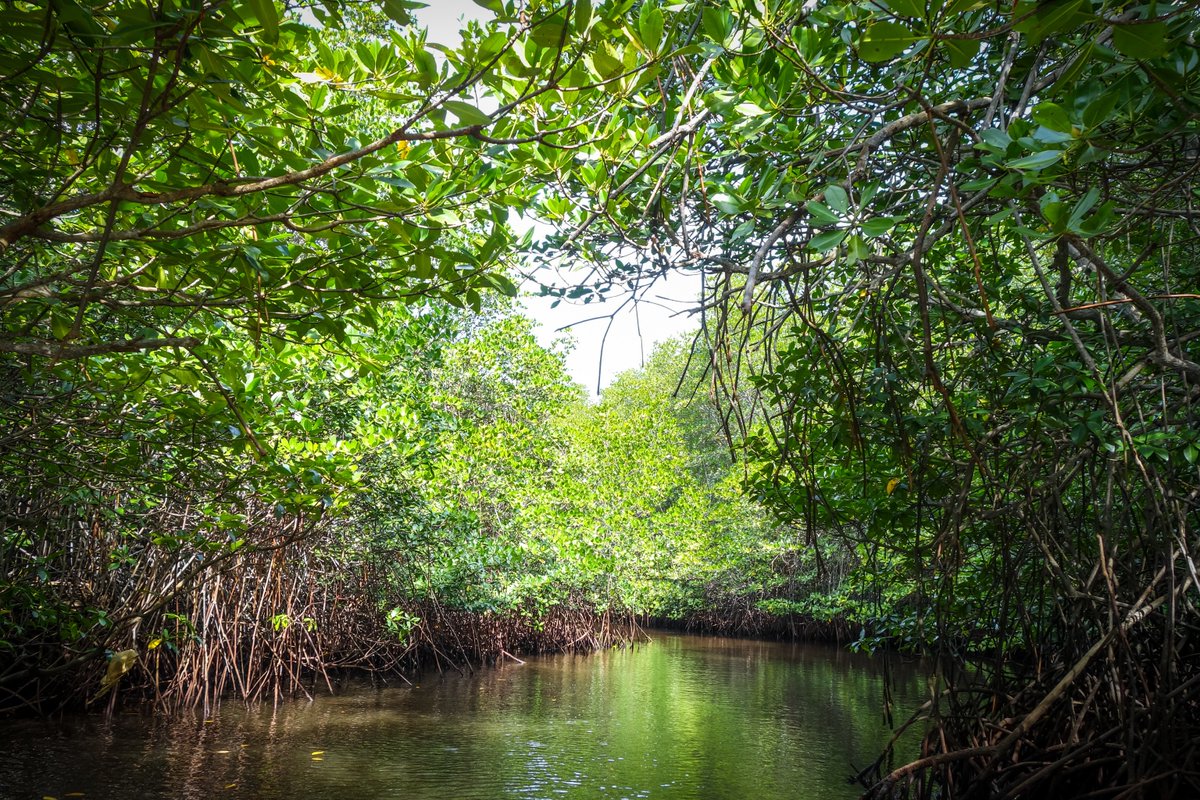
(206, 657)
(754, 623)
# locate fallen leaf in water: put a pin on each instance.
(317, 758)
(231, 786)
(120, 663)
(48, 797)
(220, 751)
(318, 752)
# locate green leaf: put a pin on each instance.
(650, 27)
(467, 114)
(606, 64)
(856, 249)
(749, 109)
(1053, 116)
(548, 34)
(994, 140)
(583, 16)
(396, 12)
(267, 16)
(60, 327)
(961, 51)
(883, 41)
(727, 203)
(878, 226)
(821, 213)
(1099, 110)
(1052, 18)
(824, 242)
(1085, 204)
(837, 199)
(742, 231)
(1142, 42)
(1037, 161)
(916, 9)
(717, 24)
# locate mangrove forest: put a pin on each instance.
(913, 510)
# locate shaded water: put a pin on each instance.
(682, 717)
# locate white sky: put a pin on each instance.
(636, 329)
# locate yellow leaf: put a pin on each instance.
(120, 663)
(325, 73)
(318, 752)
(892, 484)
(153, 644)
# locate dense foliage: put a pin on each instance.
(951, 251)
(251, 367)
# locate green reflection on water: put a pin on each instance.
(683, 717)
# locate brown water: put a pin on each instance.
(682, 717)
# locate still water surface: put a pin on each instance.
(681, 717)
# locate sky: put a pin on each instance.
(596, 358)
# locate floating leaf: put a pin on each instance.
(120, 663)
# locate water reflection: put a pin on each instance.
(683, 717)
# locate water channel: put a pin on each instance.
(680, 717)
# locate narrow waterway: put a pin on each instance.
(681, 717)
